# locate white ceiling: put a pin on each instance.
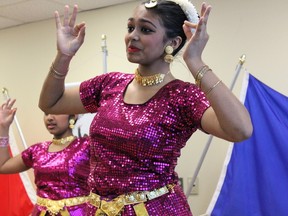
(19, 12)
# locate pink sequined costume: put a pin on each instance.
(134, 147)
(62, 174)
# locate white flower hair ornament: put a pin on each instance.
(187, 7)
(189, 10)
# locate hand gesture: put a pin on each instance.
(7, 114)
(197, 39)
(70, 37)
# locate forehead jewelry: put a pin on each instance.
(151, 4)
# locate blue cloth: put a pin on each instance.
(256, 180)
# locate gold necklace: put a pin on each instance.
(149, 80)
(62, 141)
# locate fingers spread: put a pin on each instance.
(57, 19)
(8, 104)
(66, 15)
(11, 103)
(73, 17)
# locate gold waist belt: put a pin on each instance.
(56, 206)
(138, 198)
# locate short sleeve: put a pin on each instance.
(193, 103)
(90, 92)
(27, 156)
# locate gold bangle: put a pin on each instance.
(200, 74)
(56, 74)
(209, 90)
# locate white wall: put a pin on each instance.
(252, 27)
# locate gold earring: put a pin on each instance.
(71, 123)
(168, 57)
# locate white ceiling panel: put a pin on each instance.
(6, 23)
(9, 2)
(18, 12)
(91, 4)
(30, 11)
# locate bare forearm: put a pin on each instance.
(231, 116)
(4, 156)
(4, 147)
(11, 165)
(8, 164)
(54, 84)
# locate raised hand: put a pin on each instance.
(7, 114)
(70, 37)
(197, 41)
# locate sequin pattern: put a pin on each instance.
(135, 146)
(61, 174)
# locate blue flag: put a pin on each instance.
(254, 181)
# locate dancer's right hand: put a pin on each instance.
(70, 37)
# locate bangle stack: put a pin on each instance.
(200, 74)
(56, 74)
(4, 142)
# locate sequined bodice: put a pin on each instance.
(135, 147)
(61, 174)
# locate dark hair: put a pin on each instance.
(172, 17)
